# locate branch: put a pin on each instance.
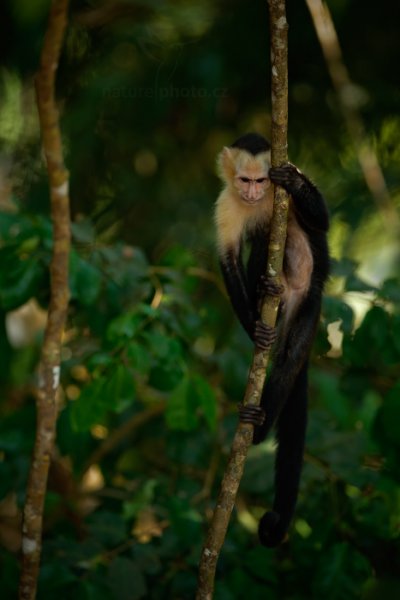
(49, 367)
(244, 432)
(344, 88)
(125, 430)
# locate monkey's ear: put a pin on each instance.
(227, 152)
(226, 163)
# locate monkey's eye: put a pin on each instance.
(261, 180)
(244, 179)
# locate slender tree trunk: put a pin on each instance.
(345, 89)
(49, 368)
(244, 433)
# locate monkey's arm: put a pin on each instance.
(236, 286)
(242, 299)
(309, 203)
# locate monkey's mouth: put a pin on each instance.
(252, 201)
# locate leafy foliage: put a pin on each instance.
(153, 360)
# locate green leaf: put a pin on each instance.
(147, 310)
(354, 383)
(124, 327)
(10, 571)
(261, 565)
(326, 442)
(143, 497)
(355, 284)
(390, 290)
(55, 576)
(161, 345)
(19, 279)
(107, 527)
(115, 392)
(169, 368)
(119, 389)
(382, 588)
(139, 357)
(390, 415)
(99, 361)
(334, 309)
(344, 267)
(178, 256)
(84, 279)
(185, 519)
(83, 232)
(340, 573)
(372, 343)
(147, 559)
(29, 244)
(396, 333)
(180, 413)
(376, 515)
(328, 388)
(204, 397)
(125, 580)
(90, 407)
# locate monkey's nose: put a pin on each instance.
(252, 191)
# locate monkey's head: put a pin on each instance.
(244, 167)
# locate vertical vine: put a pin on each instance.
(244, 432)
(49, 367)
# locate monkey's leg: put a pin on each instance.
(291, 355)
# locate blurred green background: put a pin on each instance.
(154, 361)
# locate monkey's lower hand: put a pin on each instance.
(264, 335)
(255, 415)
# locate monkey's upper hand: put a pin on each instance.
(288, 176)
(264, 335)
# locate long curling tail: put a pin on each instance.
(291, 430)
(270, 530)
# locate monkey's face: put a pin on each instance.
(251, 177)
(246, 173)
(252, 190)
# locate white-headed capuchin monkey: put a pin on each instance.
(243, 214)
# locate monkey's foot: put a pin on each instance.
(255, 415)
(269, 287)
(264, 335)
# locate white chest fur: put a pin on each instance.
(234, 221)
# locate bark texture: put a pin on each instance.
(49, 367)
